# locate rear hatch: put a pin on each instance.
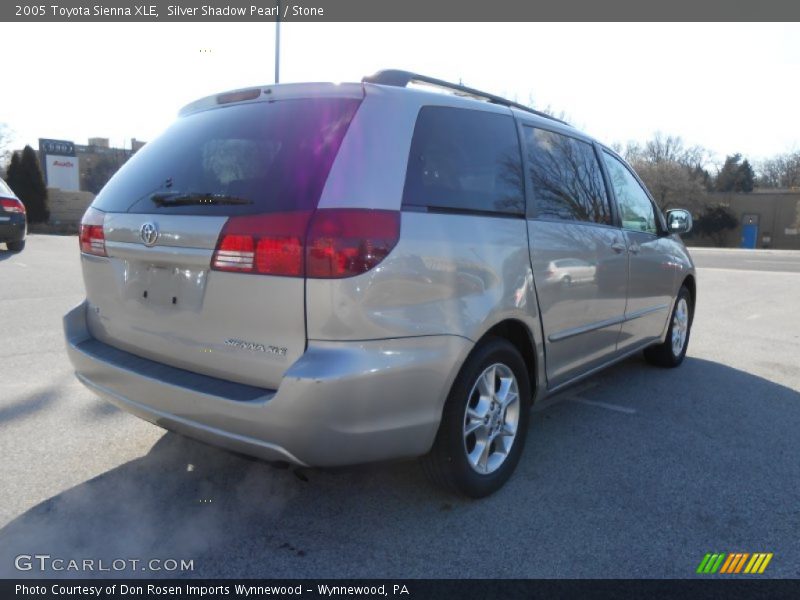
(192, 253)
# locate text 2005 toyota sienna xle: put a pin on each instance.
(333, 274)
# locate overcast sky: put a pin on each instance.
(729, 87)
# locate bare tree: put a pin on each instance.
(675, 174)
(5, 140)
(781, 171)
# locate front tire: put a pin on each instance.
(671, 352)
(16, 246)
(484, 422)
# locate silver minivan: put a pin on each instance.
(329, 274)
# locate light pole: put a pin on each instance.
(278, 44)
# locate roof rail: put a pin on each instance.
(398, 78)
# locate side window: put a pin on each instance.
(635, 208)
(565, 178)
(465, 160)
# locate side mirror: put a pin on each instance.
(679, 220)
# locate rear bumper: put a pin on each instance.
(339, 404)
(12, 230)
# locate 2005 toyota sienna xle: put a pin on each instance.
(328, 274)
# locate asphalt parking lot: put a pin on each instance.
(637, 472)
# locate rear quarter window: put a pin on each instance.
(464, 160)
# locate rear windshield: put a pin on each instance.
(241, 159)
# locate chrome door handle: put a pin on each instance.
(618, 247)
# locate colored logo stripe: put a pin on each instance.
(710, 563)
(734, 562)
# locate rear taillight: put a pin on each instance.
(348, 242)
(92, 239)
(12, 205)
(330, 243)
(264, 244)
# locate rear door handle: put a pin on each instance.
(618, 247)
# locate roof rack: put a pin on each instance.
(398, 78)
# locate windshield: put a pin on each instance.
(241, 159)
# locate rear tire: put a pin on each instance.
(672, 351)
(16, 246)
(484, 422)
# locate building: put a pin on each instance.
(74, 173)
(767, 219)
(74, 167)
(98, 161)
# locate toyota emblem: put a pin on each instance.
(149, 234)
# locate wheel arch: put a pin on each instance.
(691, 284)
(520, 336)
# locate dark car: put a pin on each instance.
(13, 224)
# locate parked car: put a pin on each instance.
(568, 271)
(333, 274)
(13, 224)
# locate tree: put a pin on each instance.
(25, 178)
(5, 137)
(745, 177)
(12, 169)
(674, 174)
(714, 222)
(735, 175)
(781, 171)
(671, 184)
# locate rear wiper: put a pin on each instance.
(195, 198)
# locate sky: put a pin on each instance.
(728, 87)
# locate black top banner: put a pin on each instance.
(398, 10)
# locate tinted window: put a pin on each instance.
(275, 156)
(635, 207)
(466, 160)
(565, 178)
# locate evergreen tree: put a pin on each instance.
(745, 177)
(12, 171)
(736, 175)
(25, 178)
(726, 178)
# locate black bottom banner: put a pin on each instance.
(417, 589)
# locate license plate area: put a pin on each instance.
(163, 286)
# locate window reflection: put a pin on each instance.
(565, 178)
(635, 207)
